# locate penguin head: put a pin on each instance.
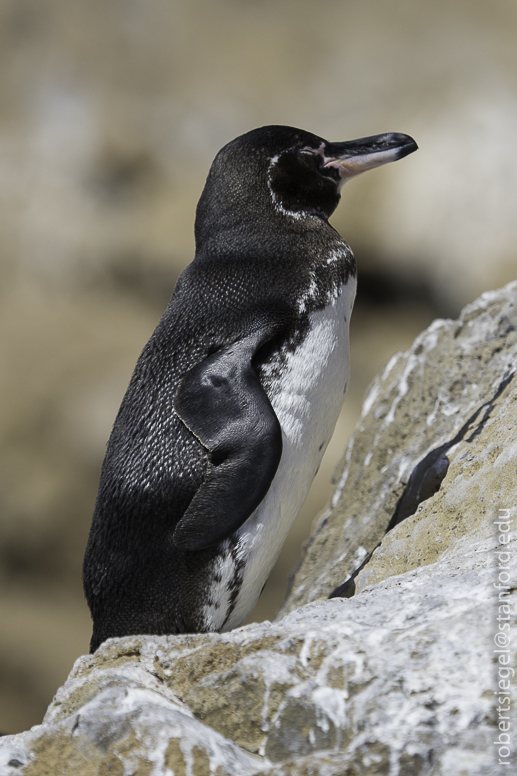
(283, 172)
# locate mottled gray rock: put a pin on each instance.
(399, 678)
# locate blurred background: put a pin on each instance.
(111, 112)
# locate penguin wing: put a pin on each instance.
(222, 402)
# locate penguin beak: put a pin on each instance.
(357, 156)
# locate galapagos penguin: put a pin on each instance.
(235, 396)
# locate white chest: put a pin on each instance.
(307, 399)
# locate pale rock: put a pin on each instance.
(398, 679)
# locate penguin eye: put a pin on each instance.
(315, 159)
(330, 172)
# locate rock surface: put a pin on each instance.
(400, 677)
(110, 115)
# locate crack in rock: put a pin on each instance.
(425, 480)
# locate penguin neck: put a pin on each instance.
(230, 221)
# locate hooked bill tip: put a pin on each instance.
(408, 146)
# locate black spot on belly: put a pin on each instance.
(235, 583)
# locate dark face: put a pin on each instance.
(307, 177)
(300, 182)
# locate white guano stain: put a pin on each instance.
(370, 399)
(344, 477)
(426, 342)
(403, 387)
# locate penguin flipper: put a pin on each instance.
(222, 402)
